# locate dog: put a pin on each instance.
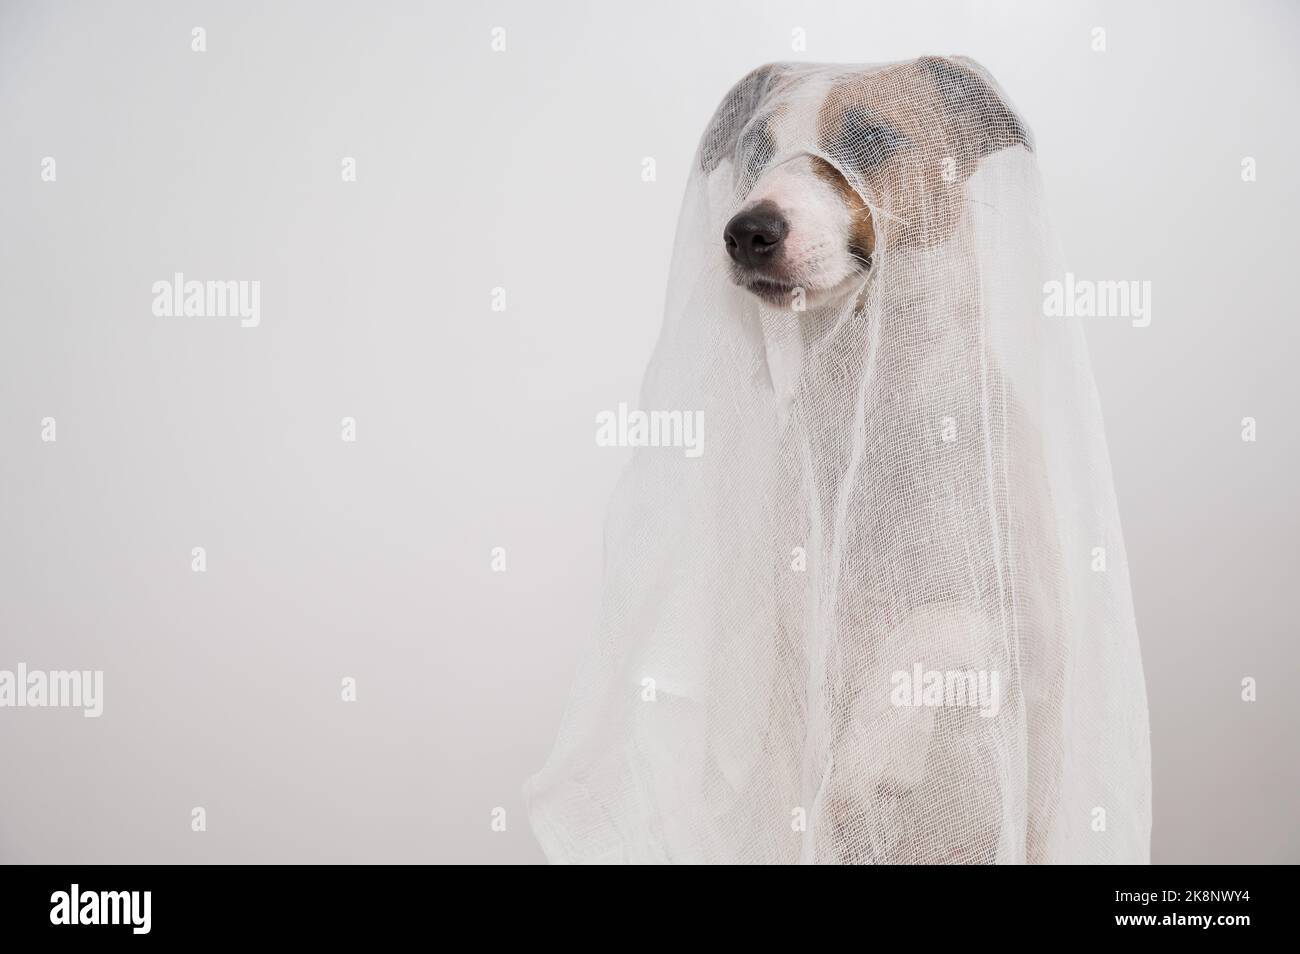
(887, 176)
(805, 224)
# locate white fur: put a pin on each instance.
(815, 253)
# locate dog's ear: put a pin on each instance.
(735, 110)
(980, 116)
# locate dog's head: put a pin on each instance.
(830, 174)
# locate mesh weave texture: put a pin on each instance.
(904, 483)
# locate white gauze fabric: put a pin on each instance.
(885, 616)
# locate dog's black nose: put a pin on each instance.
(754, 236)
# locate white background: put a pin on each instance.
(522, 170)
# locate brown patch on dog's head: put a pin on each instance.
(910, 135)
(979, 114)
(862, 234)
(833, 165)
